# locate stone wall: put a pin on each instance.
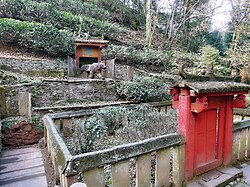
(60, 93)
(43, 68)
(0, 136)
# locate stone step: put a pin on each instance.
(216, 178)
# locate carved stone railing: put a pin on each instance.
(161, 157)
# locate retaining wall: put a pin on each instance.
(49, 93)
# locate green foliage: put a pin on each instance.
(215, 39)
(210, 55)
(118, 125)
(146, 57)
(112, 117)
(37, 124)
(212, 59)
(143, 89)
(107, 120)
(78, 7)
(36, 36)
(7, 124)
(123, 14)
(49, 14)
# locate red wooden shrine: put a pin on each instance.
(205, 119)
(88, 51)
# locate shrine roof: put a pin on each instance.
(91, 41)
(214, 86)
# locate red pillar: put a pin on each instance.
(186, 128)
(228, 135)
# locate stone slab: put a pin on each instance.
(110, 72)
(222, 180)
(246, 174)
(24, 104)
(22, 168)
(211, 175)
(71, 67)
(231, 171)
(217, 177)
(193, 184)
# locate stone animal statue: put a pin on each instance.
(94, 69)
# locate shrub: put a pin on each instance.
(49, 14)
(135, 56)
(143, 89)
(38, 37)
(77, 7)
(126, 15)
(112, 126)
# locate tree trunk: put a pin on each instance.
(148, 23)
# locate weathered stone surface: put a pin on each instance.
(110, 72)
(218, 177)
(0, 136)
(121, 152)
(24, 104)
(231, 171)
(211, 175)
(61, 92)
(130, 72)
(222, 180)
(28, 65)
(71, 67)
(3, 109)
(193, 184)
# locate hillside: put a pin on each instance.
(48, 29)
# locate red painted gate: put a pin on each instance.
(209, 136)
(205, 118)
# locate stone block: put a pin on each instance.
(211, 175)
(223, 180)
(193, 184)
(231, 171)
(3, 107)
(130, 72)
(110, 72)
(71, 67)
(24, 104)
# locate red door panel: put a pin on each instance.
(208, 139)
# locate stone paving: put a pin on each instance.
(230, 176)
(22, 168)
(245, 181)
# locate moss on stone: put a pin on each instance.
(46, 73)
(3, 107)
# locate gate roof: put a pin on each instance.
(213, 86)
